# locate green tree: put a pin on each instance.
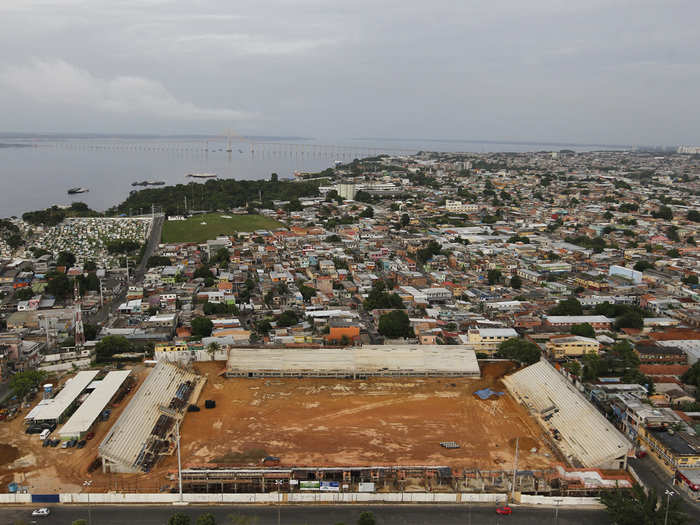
(157, 260)
(636, 507)
(584, 329)
(208, 518)
(690, 280)
(22, 294)
(110, 345)
(212, 348)
(366, 518)
(405, 220)
(516, 282)
(521, 350)
(273, 178)
(221, 256)
(80, 522)
(367, 213)
(573, 367)
(664, 212)
(630, 319)
(66, 259)
(395, 324)
(59, 285)
(201, 327)
(693, 215)
(692, 377)
(90, 332)
(494, 276)
(642, 265)
(179, 519)
(379, 298)
(307, 292)
(570, 306)
(23, 382)
(287, 318)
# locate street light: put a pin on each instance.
(556, 510)
(279, 483)
(668, 493)
(86, 484)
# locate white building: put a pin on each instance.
(460, 207)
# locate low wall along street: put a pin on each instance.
(303, 498)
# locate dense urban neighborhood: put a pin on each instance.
(511, 325)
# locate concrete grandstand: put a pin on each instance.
(366, 361)
(586, 438)
(145, 430)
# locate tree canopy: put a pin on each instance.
(636, 507)
(395, 324)
(23, 382)
(520, 350)
(111, 345)
(379, 298)
(570, 306)
(201, 327)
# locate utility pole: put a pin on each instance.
(515, 470)
(668, 497)
(87, 484)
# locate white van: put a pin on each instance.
(44, 434)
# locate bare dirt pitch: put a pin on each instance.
(380, 421)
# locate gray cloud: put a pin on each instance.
(622, 71)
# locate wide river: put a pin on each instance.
(39, 175)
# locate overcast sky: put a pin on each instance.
(604, 71)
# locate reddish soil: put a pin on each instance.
(317, 422)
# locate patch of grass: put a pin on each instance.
(192, 229)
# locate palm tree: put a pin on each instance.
(212, 348)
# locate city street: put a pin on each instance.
(311, 515)
(655, 477)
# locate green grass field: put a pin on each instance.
(192, 229)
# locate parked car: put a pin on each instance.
(46, 442)
(33, 429)
(72, 443)
(81, 443)
(41, 512)
(64, 444)
(504, 510)
(55, 442)
(90, 435)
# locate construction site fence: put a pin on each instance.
(563, 501)
(296, 497)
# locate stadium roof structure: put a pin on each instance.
(587, 438)
(369, 360)
(83, 418)
(52, 409)
(144, 430)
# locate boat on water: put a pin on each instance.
(149, 183)
(73, 191)
(202, 175)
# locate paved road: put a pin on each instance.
(312, 515)
(655, 477)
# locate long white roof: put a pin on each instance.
(587, 436)
(85, 416)
(53, 408)
(368, 359)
